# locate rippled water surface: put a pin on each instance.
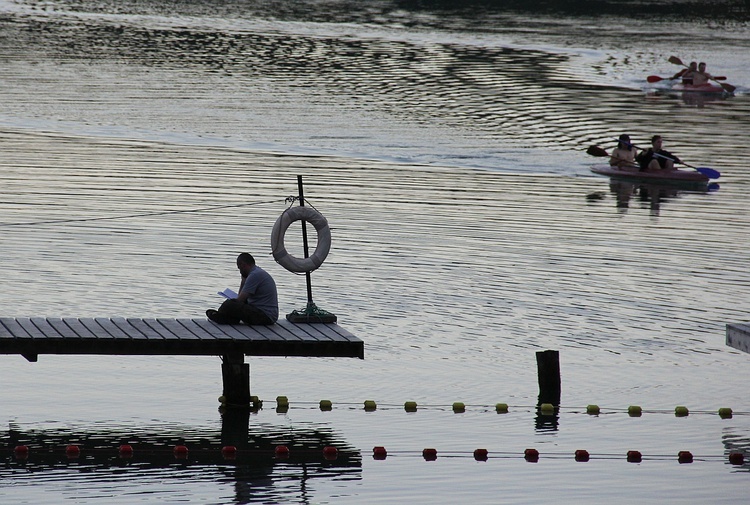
(142, 146)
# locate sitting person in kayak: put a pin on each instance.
(655, 158)
(701, 76)
(686, 74)
(623, 156)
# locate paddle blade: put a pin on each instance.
(709, 172)
(654, 78)
(676, 61)
(597, 151)
(727, 87)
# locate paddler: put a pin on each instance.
(623, 156)
(655, 158)
(687, 74)
(701, 76)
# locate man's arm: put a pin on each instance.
(242, 296)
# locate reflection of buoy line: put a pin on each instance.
(282, 256)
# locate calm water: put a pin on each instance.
(143, 145)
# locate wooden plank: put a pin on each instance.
(63, 329)
(175, 328)
(110, 331)
(309, 330)
(329, 330)
(31, 328)
(250, 333)
(349, 337)
(4, 331)
(78, 327)
(223, 331)
(192, 327)
(282, 332)
(211, 328)
(738, 336)
(140, 325)
(121, 324)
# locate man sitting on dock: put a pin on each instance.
(257, 301)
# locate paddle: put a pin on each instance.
(708, 172)
(727, 87)
(656, 78)
(601, 153)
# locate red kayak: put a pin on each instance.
(699, 88)
(689, 176)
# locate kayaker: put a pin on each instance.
(701, 76)
(623, 156)
(687, 74)
(655, 158)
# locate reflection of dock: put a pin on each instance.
(254, 468)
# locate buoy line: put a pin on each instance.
(329, 452)
(501, 408)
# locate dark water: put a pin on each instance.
(143, 145)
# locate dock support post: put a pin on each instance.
(548, 370)
(235, 374)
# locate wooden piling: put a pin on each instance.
(548, 371)
(235, 374)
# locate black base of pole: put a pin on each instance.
(310, 315)
(295, 317)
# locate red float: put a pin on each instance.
(281, 451)
(229, 452)
(330, 452)
(736, 458)
(531, 455)
(180, 452)
(429, 454)
(634, 456)
(685, 457)
(480, 454)
(126, 451)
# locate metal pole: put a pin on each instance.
(304, 242)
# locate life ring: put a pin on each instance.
(280, 253)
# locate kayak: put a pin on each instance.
(688, 176)
(699, 88)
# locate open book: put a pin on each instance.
(227, 293)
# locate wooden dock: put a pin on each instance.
(33, 336)
(738, 336)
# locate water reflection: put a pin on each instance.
(546, 420)
(647, 195)
(690, 99)
(737, 441)
(256, 470)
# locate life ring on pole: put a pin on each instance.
(280, 253)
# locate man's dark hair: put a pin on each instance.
(246, 258)
(655, 138)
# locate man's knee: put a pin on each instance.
(232, 308)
